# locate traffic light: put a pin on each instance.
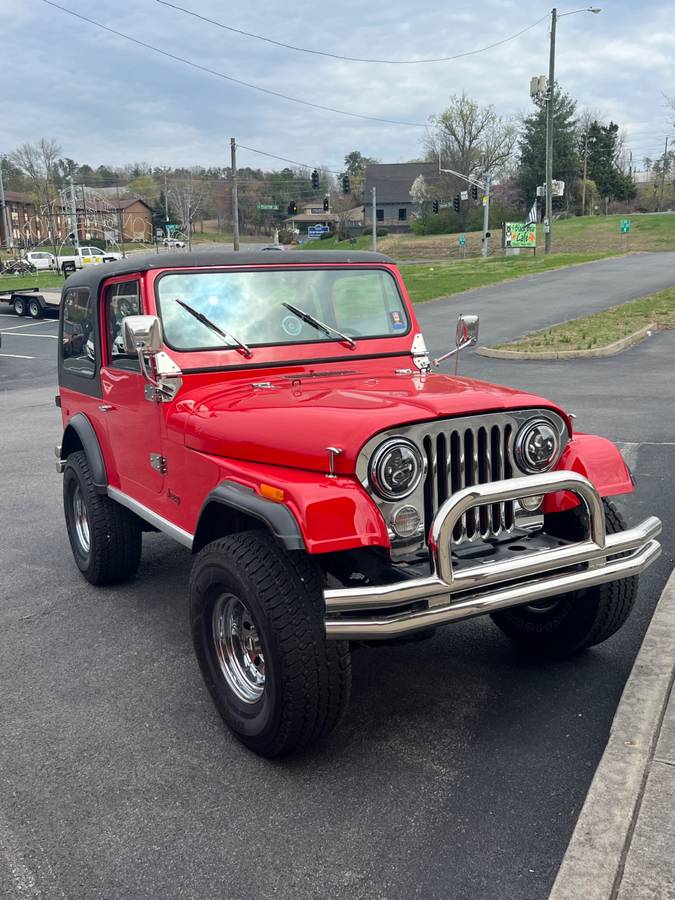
(345, 184)
(326, 204)
(315, 180)
(455, 203)
(474, 191)
(434, 206)
(292, 208)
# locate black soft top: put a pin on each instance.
(92, 276)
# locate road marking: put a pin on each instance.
(30, 325)
(15, 356)
(53, 337)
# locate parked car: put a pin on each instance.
(284, 422)
(41, 260)
(273, 247)
(173, 243)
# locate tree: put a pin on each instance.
(355, 167)
(604, 150)
(147, 188)
(474, 140)
(532, 145)
(39, 164)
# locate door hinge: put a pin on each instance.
(158, 462)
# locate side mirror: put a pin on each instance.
(141, 333)
(466, 335)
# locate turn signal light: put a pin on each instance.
(272, 493)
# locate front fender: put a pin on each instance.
(333, 514)
(597, 459)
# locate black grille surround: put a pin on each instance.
(458, 453)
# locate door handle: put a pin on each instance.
(106, 407)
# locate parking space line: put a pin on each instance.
(31, 325)
(15, 356)
(52, 337)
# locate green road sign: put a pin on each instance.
(520, 234)
(461, 240)
(268, 206)
(624, 224)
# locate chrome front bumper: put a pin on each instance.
(369, 613)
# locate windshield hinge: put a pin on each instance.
(419, 353)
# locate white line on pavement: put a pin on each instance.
(53, 337)
(31, 325)
(15, 356)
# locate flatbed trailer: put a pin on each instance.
(31, 302)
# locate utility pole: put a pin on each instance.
(235, 198)
(166, 208)
(73, 212)
(374, 220)
(486, 215)
(583, 183)
(9, 243)
(663, 174)
(549, 135)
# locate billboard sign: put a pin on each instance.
(520, 234)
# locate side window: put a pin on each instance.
(121, 300)
(78, 350)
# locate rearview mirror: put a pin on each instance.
(466, 335)
(141, 333)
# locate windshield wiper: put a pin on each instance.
(320, 326)
(200, 317)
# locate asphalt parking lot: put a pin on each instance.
(459, 769)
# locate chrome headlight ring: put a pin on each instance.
(396, 468)
(537, 446)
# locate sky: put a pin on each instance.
(109, 101)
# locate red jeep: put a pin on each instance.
(281, 419)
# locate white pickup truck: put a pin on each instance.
(85, 256)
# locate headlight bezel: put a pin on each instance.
(377, 461)
(520, 450)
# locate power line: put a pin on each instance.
(293, 162)
(392, 62)
(231, 78)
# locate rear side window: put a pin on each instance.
(77, 348)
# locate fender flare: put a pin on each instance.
(82, 427)
(275, 516)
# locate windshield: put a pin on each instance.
(360, 303)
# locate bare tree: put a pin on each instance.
(470, 138)
(186, 195)
(39, 163)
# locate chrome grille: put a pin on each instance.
(464, 454)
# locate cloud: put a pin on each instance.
(109, 101)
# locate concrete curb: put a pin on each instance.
(594, 862)
(608, 350)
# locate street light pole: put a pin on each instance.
(549, 135)
(235, 197)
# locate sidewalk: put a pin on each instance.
(623, 845)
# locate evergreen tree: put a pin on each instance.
(602, 166)
(532, 144)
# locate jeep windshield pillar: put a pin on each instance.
(283, 421)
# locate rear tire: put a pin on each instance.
(19, 306)
(34, 309)
(257, 620)
(566, 625)
(105, 537)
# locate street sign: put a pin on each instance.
(520, 234)
(624, 224)
(464, 195)
(317, 230)
(461, 240)
(267, 206)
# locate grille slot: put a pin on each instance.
(463, 455)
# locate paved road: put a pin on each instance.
(460, 767)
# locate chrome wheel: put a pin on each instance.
(238, 648)
(81, 520)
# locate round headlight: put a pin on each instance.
(396, 469)
(537, 446)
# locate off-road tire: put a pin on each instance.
(34, 309)
(19, 306)
(307, 678)
(114, 532)
(578, 620)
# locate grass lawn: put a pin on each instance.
(363, 242)
(603, 328)
(425, 282)
(41, 279)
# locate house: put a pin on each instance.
(392, 182)
(313, 214)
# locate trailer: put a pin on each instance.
(31, 302)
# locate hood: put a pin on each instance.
(290, 420)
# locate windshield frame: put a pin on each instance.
(281, 267)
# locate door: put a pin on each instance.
(134, 424)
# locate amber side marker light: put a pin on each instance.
(272, 493)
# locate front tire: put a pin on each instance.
(34, 309)
(105, 537)
(566, 625)
(19, 306)
(257, 620)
